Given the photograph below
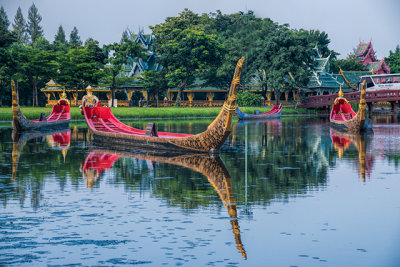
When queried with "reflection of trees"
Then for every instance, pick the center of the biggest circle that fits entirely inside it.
(31, 162)
(284, 159)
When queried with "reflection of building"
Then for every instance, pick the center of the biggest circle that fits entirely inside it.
(212, 167)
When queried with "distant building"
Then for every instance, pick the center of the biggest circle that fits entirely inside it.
(366, 55)
(322, 81)
(135, 66)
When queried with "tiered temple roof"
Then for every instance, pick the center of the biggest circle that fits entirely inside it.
(366, 55)
(321, 80)
(135, 66)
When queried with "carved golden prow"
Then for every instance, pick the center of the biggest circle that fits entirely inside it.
(363, 104)
(217, 132)
(15, 108)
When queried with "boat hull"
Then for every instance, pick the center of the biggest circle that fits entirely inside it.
(208, 141)
(354, 125)
(20, 123)
(245, 116)
(58, 118)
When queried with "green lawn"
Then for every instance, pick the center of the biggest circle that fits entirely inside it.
(136, 113)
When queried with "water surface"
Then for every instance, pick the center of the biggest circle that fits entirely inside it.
(287, 192)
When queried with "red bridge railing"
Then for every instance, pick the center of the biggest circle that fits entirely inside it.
(371, 97)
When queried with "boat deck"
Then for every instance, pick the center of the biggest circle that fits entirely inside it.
(110, 124)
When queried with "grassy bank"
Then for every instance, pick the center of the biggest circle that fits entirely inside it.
(136, 113)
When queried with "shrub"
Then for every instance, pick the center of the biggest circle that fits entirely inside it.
(248, 99)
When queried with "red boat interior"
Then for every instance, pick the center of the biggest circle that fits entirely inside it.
(101, 119)
(60, 112)
(342, 111)
(275, 109)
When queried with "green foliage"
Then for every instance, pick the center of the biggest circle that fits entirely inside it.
(247, 99)
(6, 66)
(348, 64)
(19, 27)
(155, 83)
(393, 60)
(354, 106)
(186, 49)
(4, 22)
(33, 28)
(74, 39)
(318, 39)
(60, 42)
(80, 67)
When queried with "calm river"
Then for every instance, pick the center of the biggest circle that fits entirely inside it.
(287, 192)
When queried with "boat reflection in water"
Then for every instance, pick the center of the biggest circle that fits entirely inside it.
(342, 141)
(60, 139)
(213, 168)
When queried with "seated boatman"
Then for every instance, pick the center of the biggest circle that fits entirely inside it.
(89, 100)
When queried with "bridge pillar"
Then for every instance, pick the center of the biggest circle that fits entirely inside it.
(370, 107)
(394, 107)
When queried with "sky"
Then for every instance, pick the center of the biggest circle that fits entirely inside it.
(347, 22)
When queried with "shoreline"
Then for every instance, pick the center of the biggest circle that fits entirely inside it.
(135, 113)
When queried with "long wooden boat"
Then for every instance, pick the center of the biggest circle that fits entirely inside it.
(213, 168)
(344, 118)
(275, 112)
(106, 128)
(58, 118)
(60, 138)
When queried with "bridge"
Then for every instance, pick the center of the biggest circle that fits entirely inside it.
(372, 97)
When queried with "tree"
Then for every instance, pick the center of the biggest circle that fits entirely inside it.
(118, 54)
(60, 36)
(6, 39)
(4, 22)
(186, 50)
(394, 60)
(19, 27)
(34, 29)
(74, 39)
(315, 38)
(81, 66)
(39, 67)
(348, 64)
(154, 82)
(283, 52)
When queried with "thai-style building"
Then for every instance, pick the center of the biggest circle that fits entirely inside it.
(366, 55)
(53, 91)
(322, 81)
